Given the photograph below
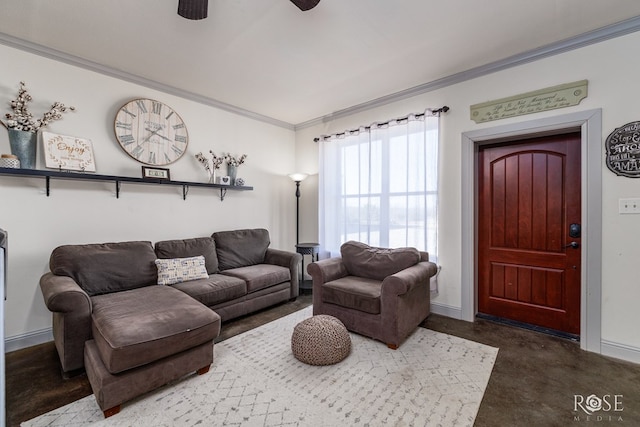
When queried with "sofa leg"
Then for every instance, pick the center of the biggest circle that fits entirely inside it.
(204, 370)
(111, 411)
(392, 346)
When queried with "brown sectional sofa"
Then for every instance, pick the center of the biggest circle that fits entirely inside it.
(243, 275)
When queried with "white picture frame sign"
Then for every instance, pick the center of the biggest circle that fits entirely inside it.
(64, 152)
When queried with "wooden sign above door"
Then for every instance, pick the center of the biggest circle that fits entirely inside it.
(560, 96)
(622, 149)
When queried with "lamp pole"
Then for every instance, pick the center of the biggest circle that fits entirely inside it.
(297, 212)
(298, 178)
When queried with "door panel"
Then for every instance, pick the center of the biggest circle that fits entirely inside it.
(529, 194)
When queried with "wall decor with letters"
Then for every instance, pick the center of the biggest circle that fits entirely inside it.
(68, 153)
(622, 150)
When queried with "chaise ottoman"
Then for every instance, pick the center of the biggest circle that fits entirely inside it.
(143, 339)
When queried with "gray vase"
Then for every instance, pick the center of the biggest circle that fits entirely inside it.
(24, 145)
(232, 171)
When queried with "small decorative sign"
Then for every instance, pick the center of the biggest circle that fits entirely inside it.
(622, 149)
(561, 96)
(223, 180)
(68, 153)
(155, 173)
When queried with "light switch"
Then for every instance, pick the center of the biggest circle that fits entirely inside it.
(629, 206)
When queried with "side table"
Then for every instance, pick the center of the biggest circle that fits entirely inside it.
(303, 249)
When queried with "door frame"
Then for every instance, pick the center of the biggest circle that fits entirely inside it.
(589, 123)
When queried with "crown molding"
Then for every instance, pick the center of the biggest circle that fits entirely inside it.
(596, 36)
(592, 37)
(66, 58)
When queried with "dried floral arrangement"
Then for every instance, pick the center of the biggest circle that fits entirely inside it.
(210, 165)
(22, 119)
(234, 161)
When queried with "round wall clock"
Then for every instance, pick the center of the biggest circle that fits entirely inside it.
(151, 132)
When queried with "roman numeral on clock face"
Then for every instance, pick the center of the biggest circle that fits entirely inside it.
(180, 138)
(157, 107)
(141, 106)
(123, 125)
(168, 115)
(152, 158)
(176, 150)
(137, 152)
(178, 126)
(127, 139)
(129, 113)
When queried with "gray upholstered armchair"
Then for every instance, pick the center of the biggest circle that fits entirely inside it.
(380, 293)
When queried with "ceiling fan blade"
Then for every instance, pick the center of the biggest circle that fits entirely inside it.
(193, 9)
(305, 4)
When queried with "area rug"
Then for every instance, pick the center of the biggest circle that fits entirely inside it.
(432, 379)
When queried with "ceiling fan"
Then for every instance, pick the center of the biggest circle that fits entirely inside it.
(197, 9)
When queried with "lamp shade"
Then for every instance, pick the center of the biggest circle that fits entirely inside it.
(297, 177)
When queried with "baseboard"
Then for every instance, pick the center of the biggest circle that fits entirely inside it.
(19, 342)
(620, 351)
(446, 310)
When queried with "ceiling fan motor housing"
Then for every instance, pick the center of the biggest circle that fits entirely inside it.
(193, 9)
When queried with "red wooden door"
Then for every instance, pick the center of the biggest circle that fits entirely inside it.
(528, 263)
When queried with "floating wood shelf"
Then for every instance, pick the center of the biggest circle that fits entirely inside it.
(118, 180)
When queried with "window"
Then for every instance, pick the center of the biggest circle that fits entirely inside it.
(379, 185)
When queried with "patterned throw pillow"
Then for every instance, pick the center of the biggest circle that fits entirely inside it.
(178, 270)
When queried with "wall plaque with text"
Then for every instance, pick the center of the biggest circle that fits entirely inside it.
(622, 149)
(561, 96)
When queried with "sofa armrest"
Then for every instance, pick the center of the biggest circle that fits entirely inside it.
(291, 260)
(71, 308)
(63, 295)
(406, 280)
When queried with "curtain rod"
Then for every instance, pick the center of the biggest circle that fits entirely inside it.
(435, 112)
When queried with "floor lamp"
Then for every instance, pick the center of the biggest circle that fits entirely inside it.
(298, 178)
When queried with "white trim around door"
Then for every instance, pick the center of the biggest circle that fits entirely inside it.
(589, 123)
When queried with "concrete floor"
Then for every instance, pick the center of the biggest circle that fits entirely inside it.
(534, 381)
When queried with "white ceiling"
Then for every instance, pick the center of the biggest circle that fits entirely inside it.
(268, 57)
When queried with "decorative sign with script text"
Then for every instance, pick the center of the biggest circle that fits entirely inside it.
(561, 96)
(68, 153)
(623, 150)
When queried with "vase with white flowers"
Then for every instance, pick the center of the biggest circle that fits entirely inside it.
(210, 165)
(23, 128)
(232, 166)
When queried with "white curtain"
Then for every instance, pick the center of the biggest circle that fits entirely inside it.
(379, 185)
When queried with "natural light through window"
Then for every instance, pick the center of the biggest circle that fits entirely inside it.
(379, 185)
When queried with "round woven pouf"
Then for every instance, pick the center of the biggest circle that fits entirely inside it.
(320, 340)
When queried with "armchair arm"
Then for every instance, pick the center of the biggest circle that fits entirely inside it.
(406, 280)
(291, 260)
(63, 295)
(327, 270)
(321, 272)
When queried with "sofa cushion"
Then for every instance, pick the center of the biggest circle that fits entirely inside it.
(260, 276)
(353, 292)
(215, 289)
(143, 325)
(240, 248)
(184, 248)
(178, 270)
(102, 268)
(376, 263)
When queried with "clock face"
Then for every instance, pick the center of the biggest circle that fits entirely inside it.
(151, 132)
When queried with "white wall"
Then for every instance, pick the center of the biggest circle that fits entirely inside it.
(88, 212)
(611, 69)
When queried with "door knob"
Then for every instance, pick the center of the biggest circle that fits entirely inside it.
(574, 245)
